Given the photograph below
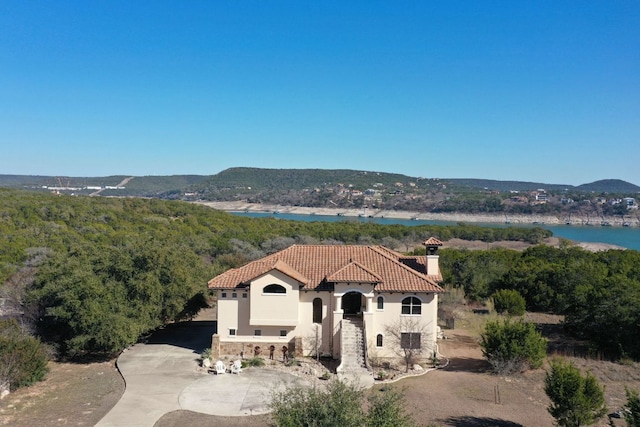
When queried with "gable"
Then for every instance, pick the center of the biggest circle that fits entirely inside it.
(354, 273)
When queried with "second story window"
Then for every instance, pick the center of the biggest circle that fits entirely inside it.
(411, 305)
(274, 289)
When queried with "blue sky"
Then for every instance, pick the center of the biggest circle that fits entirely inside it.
(545, 91)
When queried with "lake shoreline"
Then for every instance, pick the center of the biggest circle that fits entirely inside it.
(521, 219)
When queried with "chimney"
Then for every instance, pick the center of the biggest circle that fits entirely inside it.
(432, 244)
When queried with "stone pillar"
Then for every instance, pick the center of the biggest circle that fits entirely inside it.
(215, 346)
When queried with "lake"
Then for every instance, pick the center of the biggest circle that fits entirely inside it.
(627, 237)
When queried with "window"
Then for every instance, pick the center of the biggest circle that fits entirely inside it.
(274, 289)
(234, 295)
(257, 332)
(317, 310)
(283, 332)
(410, 340)
(224, 295)
(244, 295)
(379, 340)
(380, 302)
(411, 305)
(232, 332)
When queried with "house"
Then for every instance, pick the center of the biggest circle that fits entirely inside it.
(306, 296)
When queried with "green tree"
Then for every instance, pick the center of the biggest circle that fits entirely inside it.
(23, 358)
(388, 410)
(632, 408)
(512, 346)
(576, 400)
(509, 301)
(339, 404)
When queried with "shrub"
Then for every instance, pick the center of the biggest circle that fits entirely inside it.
(206, 354)
(339, 404)
(632, 408)
(23, 358)
(575, 400)
(388, 410)
(254, 361)
(512, 346)
(509, 301)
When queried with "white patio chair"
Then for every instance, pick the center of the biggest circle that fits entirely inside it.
(236, 368)
(220, 368)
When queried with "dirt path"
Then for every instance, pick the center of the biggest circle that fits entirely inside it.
(120, 184)
(465, 393)
(71, 395)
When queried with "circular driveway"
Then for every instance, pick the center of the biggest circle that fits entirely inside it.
(163, 375)
(247, 393)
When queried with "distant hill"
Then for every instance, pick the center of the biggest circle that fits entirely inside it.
(609, 186)
(298, 179)
(602, 186)
(244, 181)
(143, 186)
(490, 184)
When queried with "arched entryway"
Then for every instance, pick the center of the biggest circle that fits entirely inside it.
(352, 303)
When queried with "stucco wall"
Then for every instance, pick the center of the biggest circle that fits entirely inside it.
(391, 314)
(274, 309)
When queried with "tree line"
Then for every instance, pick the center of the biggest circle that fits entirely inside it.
(597, 292)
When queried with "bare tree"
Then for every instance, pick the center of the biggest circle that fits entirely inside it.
(410, 339)
(314, 341)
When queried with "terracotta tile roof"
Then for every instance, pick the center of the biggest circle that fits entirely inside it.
(432, 241)
(315, 266)
(354, 272)
(285, 268)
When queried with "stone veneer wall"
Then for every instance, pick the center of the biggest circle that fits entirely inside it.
(235, 348)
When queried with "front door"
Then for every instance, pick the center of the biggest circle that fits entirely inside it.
(351, 303)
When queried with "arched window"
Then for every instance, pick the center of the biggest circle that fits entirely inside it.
(274, 289)
(380, 302)
(411, 305)
(379, 340)
(317, 310)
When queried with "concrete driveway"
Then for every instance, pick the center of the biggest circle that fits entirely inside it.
(163, 375)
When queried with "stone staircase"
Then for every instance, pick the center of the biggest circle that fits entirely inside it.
(353, 367)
